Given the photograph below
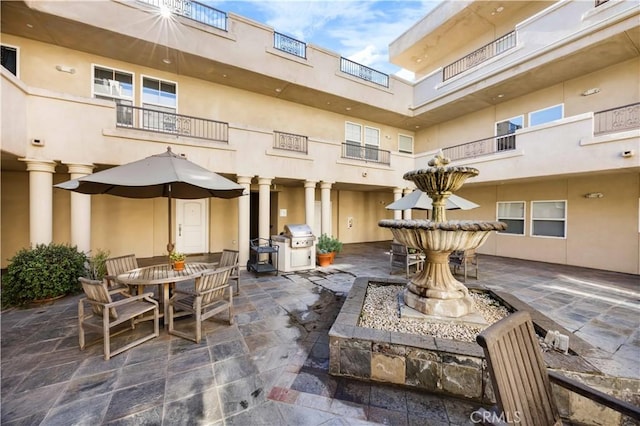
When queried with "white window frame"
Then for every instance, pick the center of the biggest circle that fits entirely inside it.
(347, 133)
(110, 95)
(563, 219)
(545, 109)
(124, 115)
(523, 218)
(158, 121)
(17, 49)
(410, 140)
(371, 150)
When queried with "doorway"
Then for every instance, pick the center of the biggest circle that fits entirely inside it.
(192, 226)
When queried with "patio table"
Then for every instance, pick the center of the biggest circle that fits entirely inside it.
(163, 276)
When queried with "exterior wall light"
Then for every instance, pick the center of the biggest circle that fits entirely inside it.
(594, 195)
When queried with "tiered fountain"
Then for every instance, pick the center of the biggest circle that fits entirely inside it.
(434, 291)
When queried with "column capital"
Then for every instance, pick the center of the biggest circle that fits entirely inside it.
(265, 180)
(245, 180)
(83, 169)
(310, 183)
(34, 165)
(325, 185)
(397, 191)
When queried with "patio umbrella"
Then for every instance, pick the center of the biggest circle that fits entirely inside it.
(421, 201)
(162, 175)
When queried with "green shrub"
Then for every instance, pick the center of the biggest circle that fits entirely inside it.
(327, 244)
(42, 272)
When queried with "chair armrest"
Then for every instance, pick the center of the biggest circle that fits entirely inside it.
(595, 395)
(146, 296)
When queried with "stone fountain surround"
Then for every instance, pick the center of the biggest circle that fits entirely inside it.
(457, 368)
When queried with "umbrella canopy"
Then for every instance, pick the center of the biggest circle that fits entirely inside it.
(161, 175)
(421, 201)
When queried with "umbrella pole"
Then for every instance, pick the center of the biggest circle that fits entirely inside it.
(170, 244)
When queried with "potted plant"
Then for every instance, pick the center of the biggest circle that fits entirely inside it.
(336, 247)
(178, 260)
(323, 250)
(96, 267)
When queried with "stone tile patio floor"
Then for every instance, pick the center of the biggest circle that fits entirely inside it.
(271, 366)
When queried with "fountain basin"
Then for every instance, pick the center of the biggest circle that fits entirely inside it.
(434, 290)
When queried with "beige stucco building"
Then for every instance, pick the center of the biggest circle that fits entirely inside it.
(543, 97)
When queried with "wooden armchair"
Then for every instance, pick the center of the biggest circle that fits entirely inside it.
(107, 314)
(118, 265)
(400, 257)
(521, 382)
(209, 297)
(464, 259)
(230, 258)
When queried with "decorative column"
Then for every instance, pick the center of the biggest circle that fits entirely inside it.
(244, 220)
(80, 210)
(40, 200)
(407, 213)
(310, 203)
(325, 204)
(397, 194)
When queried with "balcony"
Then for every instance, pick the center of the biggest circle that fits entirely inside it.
(193, 10)
(617, 119)
(478, 56)
(361, 71)
(487, 146)
(290, 142)
(367, 153)
(289, 45)
(169, 123)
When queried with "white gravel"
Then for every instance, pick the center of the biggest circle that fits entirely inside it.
(381, 311)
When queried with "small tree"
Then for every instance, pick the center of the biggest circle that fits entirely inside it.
(46, 271)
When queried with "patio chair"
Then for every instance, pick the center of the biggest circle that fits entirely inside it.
(521, 382)
(400, 257)
(230, 258)
(107, 314)
(212, 294)
(464, 259)
(118, 265)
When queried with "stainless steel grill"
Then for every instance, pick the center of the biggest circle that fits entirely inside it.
(299, 235)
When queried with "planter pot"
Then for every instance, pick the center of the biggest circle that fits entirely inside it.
(323, 259)
(178, 265)
(333, 256)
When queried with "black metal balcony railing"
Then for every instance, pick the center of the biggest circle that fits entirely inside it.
(599, 2)
(367, 153)
(361, 71)
(290, 142)
(193, 10)
(290, 45)
(481, 147)
(478, 56)
(175, 124)
(617, 119)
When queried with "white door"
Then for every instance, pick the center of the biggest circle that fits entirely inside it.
(192, 226)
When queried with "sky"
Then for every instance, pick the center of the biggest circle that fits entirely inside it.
(357, 30)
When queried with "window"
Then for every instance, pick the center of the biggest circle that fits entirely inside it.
(405, 144)
(549, 219)
(371, 142)
(546, 115)
(505, 132)
(353, 139)
(117, 86)
(159, 98)
(512, 213)
(10, 59)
